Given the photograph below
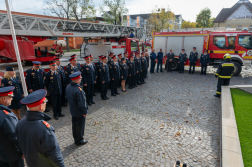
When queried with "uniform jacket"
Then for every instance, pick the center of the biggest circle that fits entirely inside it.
(97, 67)
(77, 100)
(143, 64)
(78, 65)
(148, 60)
(225, 69)
(35, 79)
(9, 150)
(153, 56)
(124, 70)
(137, 65)
(170, 56)
(131, 68)
(53, 83)
(95, 71)
(18, 91)
(182, 57)
(69, 70)
(63, 77)
(104, 73)
(204, 59)
(160, 56)
(38, 141)
(88, 74)
(114, 71)
(193, 57)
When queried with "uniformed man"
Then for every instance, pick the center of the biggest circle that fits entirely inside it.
(36, 137)
(124, 73)
(143, 68)
(204, 62)
(153, 58)
(78, 108)
(126, 56)
(77, 63)
(138, 69)
(54, 88)
(10, 154)
(73, 67)
(114, 76)
(170, 57)
(160, 56)
(97, 69)
(61, 70)
(110, 58)
(35, 77)
(131, 72)
(182, 61)
(95, 72)
(148, 61)
(88, 78)
(224, 73)
(104, 78)
(119, 59)
(193, 60)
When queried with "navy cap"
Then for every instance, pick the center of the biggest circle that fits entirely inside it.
(35, 98)
(9, 69)
(75, 75)
(122, 59)
(52, 63)
(87, 57)
(74, 55)
(36, 62)
(7, 91)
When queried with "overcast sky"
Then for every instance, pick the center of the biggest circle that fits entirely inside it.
(188, 8)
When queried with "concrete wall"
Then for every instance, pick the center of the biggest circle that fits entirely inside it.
(234, 23)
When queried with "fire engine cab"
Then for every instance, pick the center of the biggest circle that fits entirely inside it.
(237, 43)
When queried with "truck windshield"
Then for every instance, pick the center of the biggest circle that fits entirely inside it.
(245, 41)
(134, 46)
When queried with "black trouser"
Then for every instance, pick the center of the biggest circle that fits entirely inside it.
(135, 80)
(131, 81)
(153, 63)
(56, 104)
(181, 67)
(169, 66)
(17, 163)
(203, 69)
(192, 64)
(89, 92)
(104, 90)
(78, 127)
(142, 76)
(222, 82)
(63, 99)
(114, 85)
(93, 89)
(138, 77)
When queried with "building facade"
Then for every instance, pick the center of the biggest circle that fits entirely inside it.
(238, 16)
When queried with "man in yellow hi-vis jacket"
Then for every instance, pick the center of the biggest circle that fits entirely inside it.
(224, 73)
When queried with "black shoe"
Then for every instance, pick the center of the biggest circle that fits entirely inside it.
(184, 165)
(117, 93)
(130, 88)
(113, 94)
(89, 103)
(83, 142)
(178, 164)
(56, 117)
(61, 115)
(139, 84)
(106, 97)
(136, 86)
(64, 105)
(133, 86)
(125, 90)
(94, 94)
(92, 102)
(179, 72)
(46, 110)
(217, 95)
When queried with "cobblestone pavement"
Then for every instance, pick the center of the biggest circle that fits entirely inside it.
(171, 117)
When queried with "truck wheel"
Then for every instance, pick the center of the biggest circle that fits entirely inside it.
(175, 66)
(237, 68)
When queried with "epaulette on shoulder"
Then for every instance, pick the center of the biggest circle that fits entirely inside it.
(6, 112)
(80, 88)
(46, 124)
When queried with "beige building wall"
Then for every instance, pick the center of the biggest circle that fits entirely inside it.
(246, 22)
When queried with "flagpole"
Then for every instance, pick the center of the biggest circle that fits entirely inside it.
(20, 68)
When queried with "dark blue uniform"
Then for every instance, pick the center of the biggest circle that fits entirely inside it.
(69, 70)
(132, 72)
(153, 58)
(78, 108)
(35, 79)
(124, 71)
(182, 60)
(143, 68)
(78, 65)
(170, 57)
(38, 141)
(114, 77)
(54, 88)
(95, 77)
(204, 60)
(138, 71)
(61, 70)
(104, 77)
(10, 155)
(18, 91)
(193, 60)
(97, 66)
(160, 56)
(88, 77)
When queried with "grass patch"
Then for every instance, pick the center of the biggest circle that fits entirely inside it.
(242, 102)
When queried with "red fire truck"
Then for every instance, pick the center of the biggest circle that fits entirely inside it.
(238, 44)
